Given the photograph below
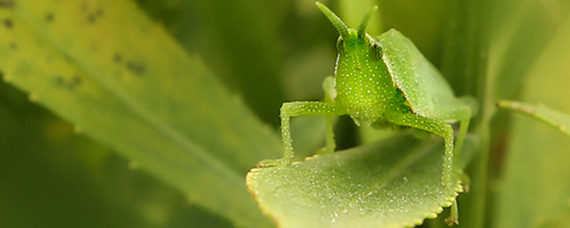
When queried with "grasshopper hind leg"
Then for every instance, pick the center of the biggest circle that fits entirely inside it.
(440, 128)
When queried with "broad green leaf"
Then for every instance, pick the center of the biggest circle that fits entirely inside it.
(52, 177)
(541, 112)
(535, 190)
(121, 79)
(392, 183)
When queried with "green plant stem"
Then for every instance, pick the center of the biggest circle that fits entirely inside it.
(465, 63)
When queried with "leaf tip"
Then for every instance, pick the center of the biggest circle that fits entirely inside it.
(7, 4)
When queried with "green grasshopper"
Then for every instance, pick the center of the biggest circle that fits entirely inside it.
(382, 80)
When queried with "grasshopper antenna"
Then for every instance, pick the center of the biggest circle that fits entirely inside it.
(362, 27)
(335, 20)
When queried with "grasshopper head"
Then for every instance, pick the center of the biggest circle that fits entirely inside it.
(363, 83)
(351, 40)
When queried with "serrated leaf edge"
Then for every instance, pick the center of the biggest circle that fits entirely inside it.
(266, 211)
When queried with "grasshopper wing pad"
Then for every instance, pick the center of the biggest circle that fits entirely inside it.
(420, 82)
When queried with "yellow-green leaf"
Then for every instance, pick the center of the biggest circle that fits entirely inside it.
(121, 79)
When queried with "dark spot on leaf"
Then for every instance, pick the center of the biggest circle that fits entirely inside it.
(13, 46)
(6, 4)
(59, 79)
(67, 57)
(136, 68)
(92, 17)
(358, 68)
(49, 17)
(8, 23)
(117, 58)
(99, 12)
(77, 80)
(70, 84)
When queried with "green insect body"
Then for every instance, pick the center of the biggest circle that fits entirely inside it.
(382, 80)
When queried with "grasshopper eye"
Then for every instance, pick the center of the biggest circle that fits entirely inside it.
(376, 51)
(340, 45)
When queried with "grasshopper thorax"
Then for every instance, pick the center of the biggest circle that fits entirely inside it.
(363, 83)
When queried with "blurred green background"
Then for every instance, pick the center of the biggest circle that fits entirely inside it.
(268, 52)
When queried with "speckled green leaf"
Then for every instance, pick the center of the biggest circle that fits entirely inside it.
(392, 183)
(121, 79)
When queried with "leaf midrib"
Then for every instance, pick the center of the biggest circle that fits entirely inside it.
(138, 110)
(397, 170)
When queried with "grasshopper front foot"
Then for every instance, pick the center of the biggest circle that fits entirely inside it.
(274, 162)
